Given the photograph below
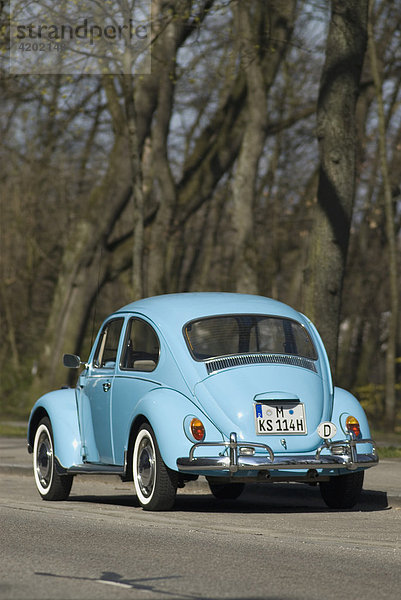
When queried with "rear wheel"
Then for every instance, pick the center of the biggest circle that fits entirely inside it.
(342, 491)
(226, 491)
(50, 485)
(155, 484)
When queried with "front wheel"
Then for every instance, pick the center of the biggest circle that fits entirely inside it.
(155, 484)
(342, 491)
(50, 485)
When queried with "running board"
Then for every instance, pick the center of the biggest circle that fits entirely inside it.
(91, 469)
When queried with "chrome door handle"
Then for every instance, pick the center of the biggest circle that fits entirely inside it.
(106, 386)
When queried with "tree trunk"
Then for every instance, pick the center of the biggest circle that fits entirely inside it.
(137, 212)
(264, 30)
(390, 395)
(75, 273)
(336, 133)
(158, 255)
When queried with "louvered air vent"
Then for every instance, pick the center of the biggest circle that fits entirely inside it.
(216, 364)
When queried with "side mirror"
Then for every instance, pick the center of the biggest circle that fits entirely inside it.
(72, 361)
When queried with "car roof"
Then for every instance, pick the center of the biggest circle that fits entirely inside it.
(180, 308)
(170, 312)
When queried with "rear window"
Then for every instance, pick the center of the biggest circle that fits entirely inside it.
(247, 334)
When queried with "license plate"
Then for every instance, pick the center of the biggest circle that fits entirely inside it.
(278, 418)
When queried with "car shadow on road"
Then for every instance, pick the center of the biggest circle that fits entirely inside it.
(280, 498)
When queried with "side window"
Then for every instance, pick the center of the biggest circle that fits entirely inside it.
(106, 351)
(141, 347)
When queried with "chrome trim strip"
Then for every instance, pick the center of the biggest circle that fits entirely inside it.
(90, 469)
(350, 460)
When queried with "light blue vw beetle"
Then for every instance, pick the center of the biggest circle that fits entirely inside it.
(233, 387)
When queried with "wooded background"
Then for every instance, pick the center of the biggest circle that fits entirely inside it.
(261, 155)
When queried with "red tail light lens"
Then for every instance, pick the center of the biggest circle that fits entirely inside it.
(353, 427)
(197, 429)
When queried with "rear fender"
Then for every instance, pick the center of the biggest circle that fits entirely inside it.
(166, 411)
(345, 405)
(61, 408)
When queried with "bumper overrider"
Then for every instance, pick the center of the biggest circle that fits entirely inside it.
(240, 456)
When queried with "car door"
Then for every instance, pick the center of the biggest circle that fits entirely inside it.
(96, 395)
(136, 375)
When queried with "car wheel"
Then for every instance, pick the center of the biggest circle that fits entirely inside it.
(226, 491)
(50, 485)
(342, 491)
(155, 484)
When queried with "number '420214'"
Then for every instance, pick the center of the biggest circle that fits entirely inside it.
(40, 47)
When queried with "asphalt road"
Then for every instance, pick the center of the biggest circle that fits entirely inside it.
(275, 542)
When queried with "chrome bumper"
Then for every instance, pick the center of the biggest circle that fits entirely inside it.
(343, 455)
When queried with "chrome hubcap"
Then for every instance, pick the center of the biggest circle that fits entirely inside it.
(44, 461)
(146, 468)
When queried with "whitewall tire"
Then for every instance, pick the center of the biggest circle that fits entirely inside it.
(50, 485)
(155, 484)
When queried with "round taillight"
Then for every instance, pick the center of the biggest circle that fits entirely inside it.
(353, 427)
(197, 429)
